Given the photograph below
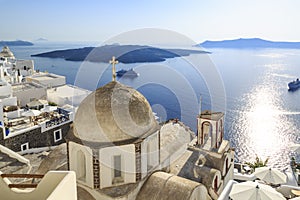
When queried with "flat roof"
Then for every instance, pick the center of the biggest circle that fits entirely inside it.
(24, 86)
(68, 91)
(45, 76)
(211, 115)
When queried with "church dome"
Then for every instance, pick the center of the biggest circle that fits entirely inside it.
(6, 53)
(114, 113)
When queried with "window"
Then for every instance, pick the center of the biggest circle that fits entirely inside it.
(25, 146)
(57, 135)
(117, 170)
(117, 166)
(81, 166)
(227, 165)
(206, 132)
(216, 184)
(149, 156)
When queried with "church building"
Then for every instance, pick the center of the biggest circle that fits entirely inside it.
(119, 151)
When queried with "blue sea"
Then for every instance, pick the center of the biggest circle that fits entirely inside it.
(249, 85)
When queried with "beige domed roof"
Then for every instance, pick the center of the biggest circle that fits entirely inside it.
(114, 113)
(6, 53)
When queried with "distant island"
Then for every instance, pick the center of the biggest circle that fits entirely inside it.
(41, 40)
(249, 43)
(124, 53)
(15, 43)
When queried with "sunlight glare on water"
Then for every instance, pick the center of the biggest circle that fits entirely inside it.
(263, 127)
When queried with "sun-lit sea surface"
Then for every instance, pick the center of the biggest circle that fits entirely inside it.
(262, 117)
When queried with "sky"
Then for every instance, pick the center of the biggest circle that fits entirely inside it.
(199, 20)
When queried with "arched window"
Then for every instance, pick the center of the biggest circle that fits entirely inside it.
(206, 131)
(81, 166)
(216, 184)
(227, 165)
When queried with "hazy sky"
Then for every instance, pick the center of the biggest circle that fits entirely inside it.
(99, 20)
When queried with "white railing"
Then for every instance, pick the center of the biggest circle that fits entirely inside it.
(56, 122)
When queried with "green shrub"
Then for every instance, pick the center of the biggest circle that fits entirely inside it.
(52, 103)
(257, 163)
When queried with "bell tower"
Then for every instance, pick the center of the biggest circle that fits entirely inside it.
(210, 129)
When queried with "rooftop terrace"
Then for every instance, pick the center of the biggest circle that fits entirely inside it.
(25, 86)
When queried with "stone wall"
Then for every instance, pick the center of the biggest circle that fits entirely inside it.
(35, 138)
(1, 134)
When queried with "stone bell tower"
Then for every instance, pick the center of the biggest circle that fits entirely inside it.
(210, 127)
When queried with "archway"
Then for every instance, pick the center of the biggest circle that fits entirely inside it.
(216, 184)
(206, 130)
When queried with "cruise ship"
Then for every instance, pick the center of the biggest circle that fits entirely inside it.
(294, 85)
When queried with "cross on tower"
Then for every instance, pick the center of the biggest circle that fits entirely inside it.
(113, 61)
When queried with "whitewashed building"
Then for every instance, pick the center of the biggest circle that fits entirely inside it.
(26, 92)
(106, 141)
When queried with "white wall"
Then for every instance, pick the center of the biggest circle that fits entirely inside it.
(74, 148)
(10, 101)
(25, 96)
(5, 90)
(15, 114)
(144, 158)
(128, 166)
(150, 153)
(67, 94)
(61, 101)
(152, 150)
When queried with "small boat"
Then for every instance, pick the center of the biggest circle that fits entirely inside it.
(129, 73)
(294, 84)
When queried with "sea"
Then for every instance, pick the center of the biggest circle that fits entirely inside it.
(262, 118)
